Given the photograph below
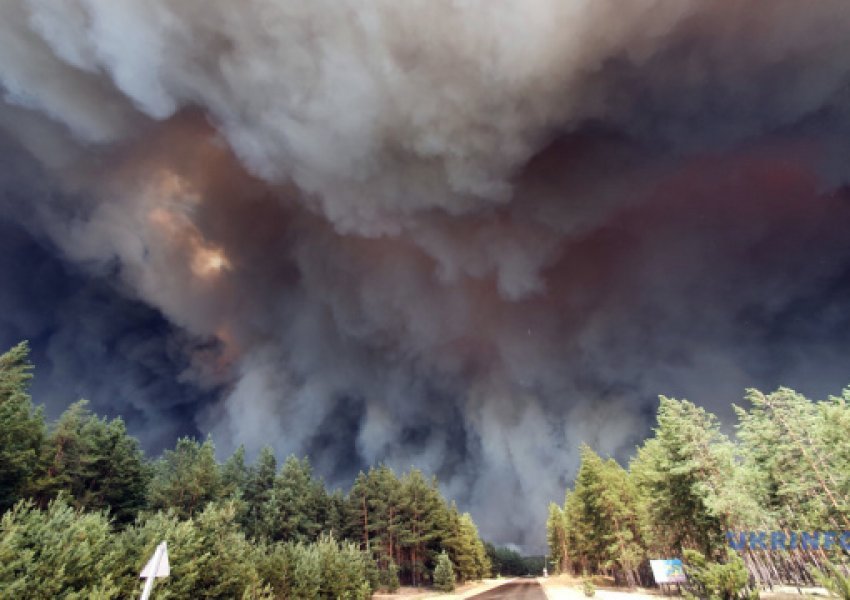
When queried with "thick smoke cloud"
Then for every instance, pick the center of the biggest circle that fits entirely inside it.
(456, 235)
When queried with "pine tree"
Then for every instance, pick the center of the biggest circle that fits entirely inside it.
(834, 580)
(373, 514)
(209, 555)
(333, 514)
(22, 428)
(682, 471)
(464, 547)
(556, 537)
(384, 508)
(796, 453)
(576, 531)
(423, 522)
(296, 503)
(257, 494)
(96, 461)
(505, 561)
(122, 475)
(235, 475)
(618, 500)
(389, 577)
(217, 519)
(834, 451)
(459, 545)
(58, 553)
(444, 575)
(325, 570)
(590, 525)
(481, 560)
(186, 478)
(600, 520)
(358, 519)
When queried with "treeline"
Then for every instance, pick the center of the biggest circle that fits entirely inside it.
(84, 509)
(506, 562)
(787, 468)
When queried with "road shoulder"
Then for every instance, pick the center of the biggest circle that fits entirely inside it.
(558, 588)
(465, 591)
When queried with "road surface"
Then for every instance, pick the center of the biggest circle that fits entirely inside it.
(515, 590)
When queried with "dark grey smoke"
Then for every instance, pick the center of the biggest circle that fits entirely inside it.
(455, 235)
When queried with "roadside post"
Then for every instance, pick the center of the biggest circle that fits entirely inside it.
(157, 567)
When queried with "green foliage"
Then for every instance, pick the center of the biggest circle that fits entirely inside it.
(834, 580)
(372, 515)
(96, 462)
(465, 547)
(296, 503)
(797, 453)
(233, 530)
(681, 473)
(788, 468)
(389, 577)
(507, 562)
(444, 574)
(604, 513)
(423, 522)
(713, 580)
(556, 537)
(588, 588)
(209, 555)
(66, 553)
(186, 478)
(235, 475)
(257, 493)
(405, 521)
(326, 569)
(57, 553)
(256, 532)
(22, 428)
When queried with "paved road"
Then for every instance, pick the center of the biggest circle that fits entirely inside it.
(515, 590)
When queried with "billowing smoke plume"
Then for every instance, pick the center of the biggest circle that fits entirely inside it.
(461, 235)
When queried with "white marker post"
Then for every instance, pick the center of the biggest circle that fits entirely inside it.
(157, 567)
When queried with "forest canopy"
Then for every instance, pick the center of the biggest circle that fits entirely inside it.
(84, 509)
(785, 469)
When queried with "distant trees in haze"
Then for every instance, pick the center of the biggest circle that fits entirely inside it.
(507, 562)
(84, 509)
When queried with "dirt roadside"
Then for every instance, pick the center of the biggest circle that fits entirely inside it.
(464, 591)
(570, 588)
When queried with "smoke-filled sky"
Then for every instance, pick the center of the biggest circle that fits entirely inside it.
(455, 234)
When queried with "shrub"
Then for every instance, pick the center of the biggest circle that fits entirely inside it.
(208, 553)
(389, 577)
(834, 580)
(706, 579)
(57, 553)
(444, 573)
(588, 588)
(323, 570)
